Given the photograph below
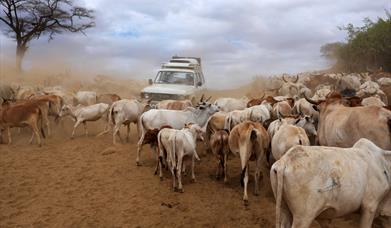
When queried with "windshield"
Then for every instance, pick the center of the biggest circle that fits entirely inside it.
(175, 77)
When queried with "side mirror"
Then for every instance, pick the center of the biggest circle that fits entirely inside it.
(199, 84)
(150, 81)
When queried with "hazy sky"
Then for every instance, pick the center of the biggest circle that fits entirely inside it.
(235, 39)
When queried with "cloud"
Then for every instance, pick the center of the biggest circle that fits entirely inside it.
(235, 39)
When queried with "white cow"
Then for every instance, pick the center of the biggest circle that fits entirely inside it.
(227, 104)
(157, 118)
(179, 145)
(85, 98)
(328, 182)
(303, 107)
(82, 114)
(258, 113)
(124, 112)
(287, 136)
(373, 101)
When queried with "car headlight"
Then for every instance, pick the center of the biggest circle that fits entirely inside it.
(146, 95)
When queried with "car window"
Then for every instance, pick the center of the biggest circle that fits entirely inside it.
(175, 77)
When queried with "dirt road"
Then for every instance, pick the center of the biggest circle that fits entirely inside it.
(88, 182)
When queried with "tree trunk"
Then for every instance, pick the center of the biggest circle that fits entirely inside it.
(20, 52)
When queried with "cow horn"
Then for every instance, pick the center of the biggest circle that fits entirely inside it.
(208, 99)
(202, 98)
(311, 101)
(263, 95)
(297, 78)
(284, 79)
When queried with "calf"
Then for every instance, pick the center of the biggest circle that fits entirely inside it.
(22, 115)
(328, 182)
(251, 141)
(219, 146)
(179, 144)
(82, 114)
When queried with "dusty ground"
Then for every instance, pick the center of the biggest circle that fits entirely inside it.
(87, 182)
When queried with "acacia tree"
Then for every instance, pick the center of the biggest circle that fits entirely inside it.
(25, 20)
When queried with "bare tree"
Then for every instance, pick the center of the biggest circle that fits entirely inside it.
(29, 19)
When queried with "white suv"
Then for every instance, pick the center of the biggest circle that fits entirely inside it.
(179, 79)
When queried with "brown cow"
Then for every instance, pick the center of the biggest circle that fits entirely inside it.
(22, 115)
(151, 139)
(174, 104)
(342, 126)
(259, 101)
(219, 145)
(251, 141)
(55, 104)
(43, 104)
(215, 123)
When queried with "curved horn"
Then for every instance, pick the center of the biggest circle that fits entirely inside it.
(208, 99)
(311, 101)
(283, 78)
(297, 78)
(202, 98)
(263, 95)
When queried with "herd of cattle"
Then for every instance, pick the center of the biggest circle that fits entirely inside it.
(327, 150)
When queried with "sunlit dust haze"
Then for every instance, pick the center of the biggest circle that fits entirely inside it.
(236, 40)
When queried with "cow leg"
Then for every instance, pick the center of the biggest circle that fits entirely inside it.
(9, 135)
(157, 159)
(225, 168)
(85, 128)
(78, 122)
(245, 181)
(218, 169)
(367, 215)
(47, 121)
(302, 222)
(34, 127)
(127, 132)
(193, 178)
(179, 174)
(139, 147)
(115, 132)
(257, 175)
(32, 138)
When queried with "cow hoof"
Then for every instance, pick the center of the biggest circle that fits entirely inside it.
(256, 193)
(138, 163)
(175, 189)
(155, 173)
(161, 178)
(245, 202)
(181, 190)
(225, 181)
(193, 180)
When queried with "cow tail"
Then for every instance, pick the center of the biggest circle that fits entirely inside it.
(160, 149)
(173, 156)
(280, 178)
(41, 118)
(111, 115)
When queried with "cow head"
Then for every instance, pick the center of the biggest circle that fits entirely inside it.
(196, 129)
(65, 110)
